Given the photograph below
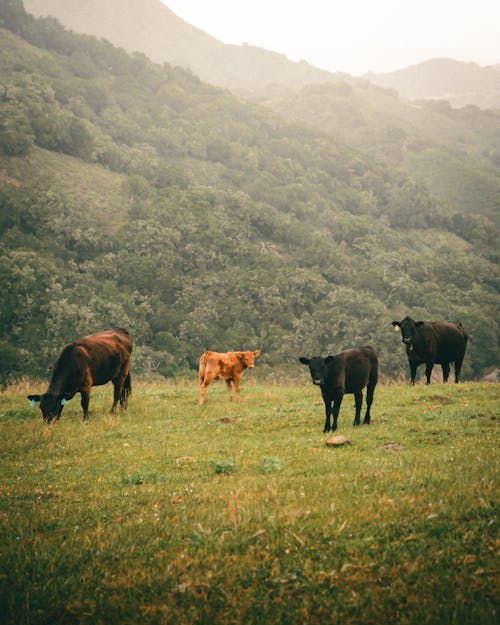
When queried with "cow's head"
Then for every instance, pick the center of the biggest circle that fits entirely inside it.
(317, 367)
(51, 405)
(247, 358)
(408, 329)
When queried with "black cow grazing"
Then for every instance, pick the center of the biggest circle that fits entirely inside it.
(91, 361)
(348, 371)
(433, 342)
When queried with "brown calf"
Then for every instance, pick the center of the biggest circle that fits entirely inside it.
(228, 366)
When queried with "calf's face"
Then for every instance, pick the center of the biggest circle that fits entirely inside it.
(317, 368)
(247, 359)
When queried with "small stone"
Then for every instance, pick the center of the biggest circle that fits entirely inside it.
(337, 441)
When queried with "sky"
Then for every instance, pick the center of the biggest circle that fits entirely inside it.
(354, 36)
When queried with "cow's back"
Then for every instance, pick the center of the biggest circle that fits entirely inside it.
(355, 368)
(219, 365)
(210, 362)
(450, 341)
(103, 354)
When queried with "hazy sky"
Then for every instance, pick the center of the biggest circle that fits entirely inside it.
(354, 36)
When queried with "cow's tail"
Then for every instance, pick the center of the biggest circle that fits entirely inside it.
(201, 368)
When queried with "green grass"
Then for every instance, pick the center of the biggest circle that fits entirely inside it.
(239, 513)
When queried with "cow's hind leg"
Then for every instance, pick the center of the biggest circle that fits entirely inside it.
(117, 391)
(358, 400)
(230, 390)
(236, 383)
(458, 368)
(428, 370)
(370, 390)
(85, 393)
(126, 391)
(121, 390)
(204, 384)
(446, 371)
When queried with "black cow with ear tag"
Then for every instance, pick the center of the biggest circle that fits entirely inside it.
(433, 342)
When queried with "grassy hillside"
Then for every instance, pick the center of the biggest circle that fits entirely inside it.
(100, 192)
(136, 195)
(239, 513)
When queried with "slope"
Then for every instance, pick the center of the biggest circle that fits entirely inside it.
(134, 194)
(455, 153)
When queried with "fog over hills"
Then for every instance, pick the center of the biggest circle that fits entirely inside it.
(446, 79)
(150, 27)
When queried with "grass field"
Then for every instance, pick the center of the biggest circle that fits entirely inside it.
(239, 513)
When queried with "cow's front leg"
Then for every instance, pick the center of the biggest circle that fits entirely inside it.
(413, 372)
(328, 412)
(336, 409)
(358, 400)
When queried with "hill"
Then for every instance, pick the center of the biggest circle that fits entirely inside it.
(150, 27)
(445, 79)
(454, 153)
(134, 194)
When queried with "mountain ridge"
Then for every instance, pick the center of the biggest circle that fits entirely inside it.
(458, 82)
(152, 28)
(158, 32)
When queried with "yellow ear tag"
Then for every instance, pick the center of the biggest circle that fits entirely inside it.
(396, 328)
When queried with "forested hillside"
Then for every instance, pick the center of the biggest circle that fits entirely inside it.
(133, 194)
(455, 153)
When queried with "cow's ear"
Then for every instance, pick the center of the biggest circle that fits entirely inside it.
(329, 359)
(304, 361)
(256, 353)
(396, 325)
(34, 399)
(419, 324)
